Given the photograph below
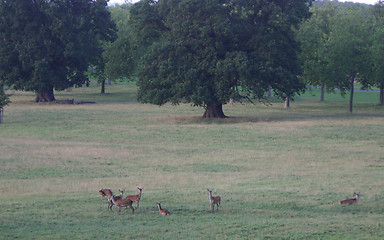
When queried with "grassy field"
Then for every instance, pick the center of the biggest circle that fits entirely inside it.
(280, 172)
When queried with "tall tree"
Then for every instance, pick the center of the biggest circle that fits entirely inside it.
(49, 44)
(313, 36)
(377, 50)
(202, 51)
(349, 50)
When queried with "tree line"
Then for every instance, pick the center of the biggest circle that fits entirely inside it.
(201, 52)
(342, 45)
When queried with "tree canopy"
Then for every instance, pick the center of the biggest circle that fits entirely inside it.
(377, 50)
(207, 52)
(118, 55)
(49, 44)
(341, 45)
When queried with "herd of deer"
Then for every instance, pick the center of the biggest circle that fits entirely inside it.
(119, 201)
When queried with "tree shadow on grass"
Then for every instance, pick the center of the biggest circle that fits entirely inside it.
(291, 117)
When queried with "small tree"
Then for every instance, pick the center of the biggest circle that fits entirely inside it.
(349, 50)
(314, 36)
(376, 79)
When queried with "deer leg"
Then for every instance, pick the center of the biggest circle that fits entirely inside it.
(133, 210)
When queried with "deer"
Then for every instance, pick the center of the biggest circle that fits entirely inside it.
(105, 192)
(350, 201)
(122, 203)
(136, 198)
(110, 203)
(163, 212)
(214, 200)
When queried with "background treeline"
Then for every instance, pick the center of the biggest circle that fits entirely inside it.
(342, 45)
(206, 53)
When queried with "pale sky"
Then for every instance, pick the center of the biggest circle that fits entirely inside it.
(112, 2)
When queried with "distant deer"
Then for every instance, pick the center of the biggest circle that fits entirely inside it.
(350, 201)
(122, 203)
(214, 200)
(163, 212)
(105, 192)
(110, 203)
(136, 198)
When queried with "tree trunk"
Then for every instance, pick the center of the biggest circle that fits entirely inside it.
(322, 93)
(286, 104)
(45, 95)
(351, 95)
(382, 94)
(214, 110)
(1, 115)
(103, 86)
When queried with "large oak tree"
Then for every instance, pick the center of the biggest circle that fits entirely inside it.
(207, 52)
(49, 44)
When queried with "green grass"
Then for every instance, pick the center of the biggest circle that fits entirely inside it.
(280, 172)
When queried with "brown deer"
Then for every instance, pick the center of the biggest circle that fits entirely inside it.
(163, 212)
(110, 203)
(105, 192)
(214, 200)
(136, 198)
(122, 203)
(350, 201)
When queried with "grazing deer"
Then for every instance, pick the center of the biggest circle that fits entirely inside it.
(214, 200)
(122, 203)
(350, 201)
(105, 192)
(110, 203)
(136, 198)
(163, 212)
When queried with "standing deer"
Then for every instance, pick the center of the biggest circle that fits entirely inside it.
(110, 203)
(136, 198)
(163, 212)
(214, 200)
(105, 192)
(350, 201)
(122, 203)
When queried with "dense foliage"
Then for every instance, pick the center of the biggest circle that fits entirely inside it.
(377, 50)
(47, 45)
(205, 52)
(118, 54)
(342, 45)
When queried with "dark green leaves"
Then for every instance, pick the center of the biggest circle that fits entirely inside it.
(203, 51)
(50, 44)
